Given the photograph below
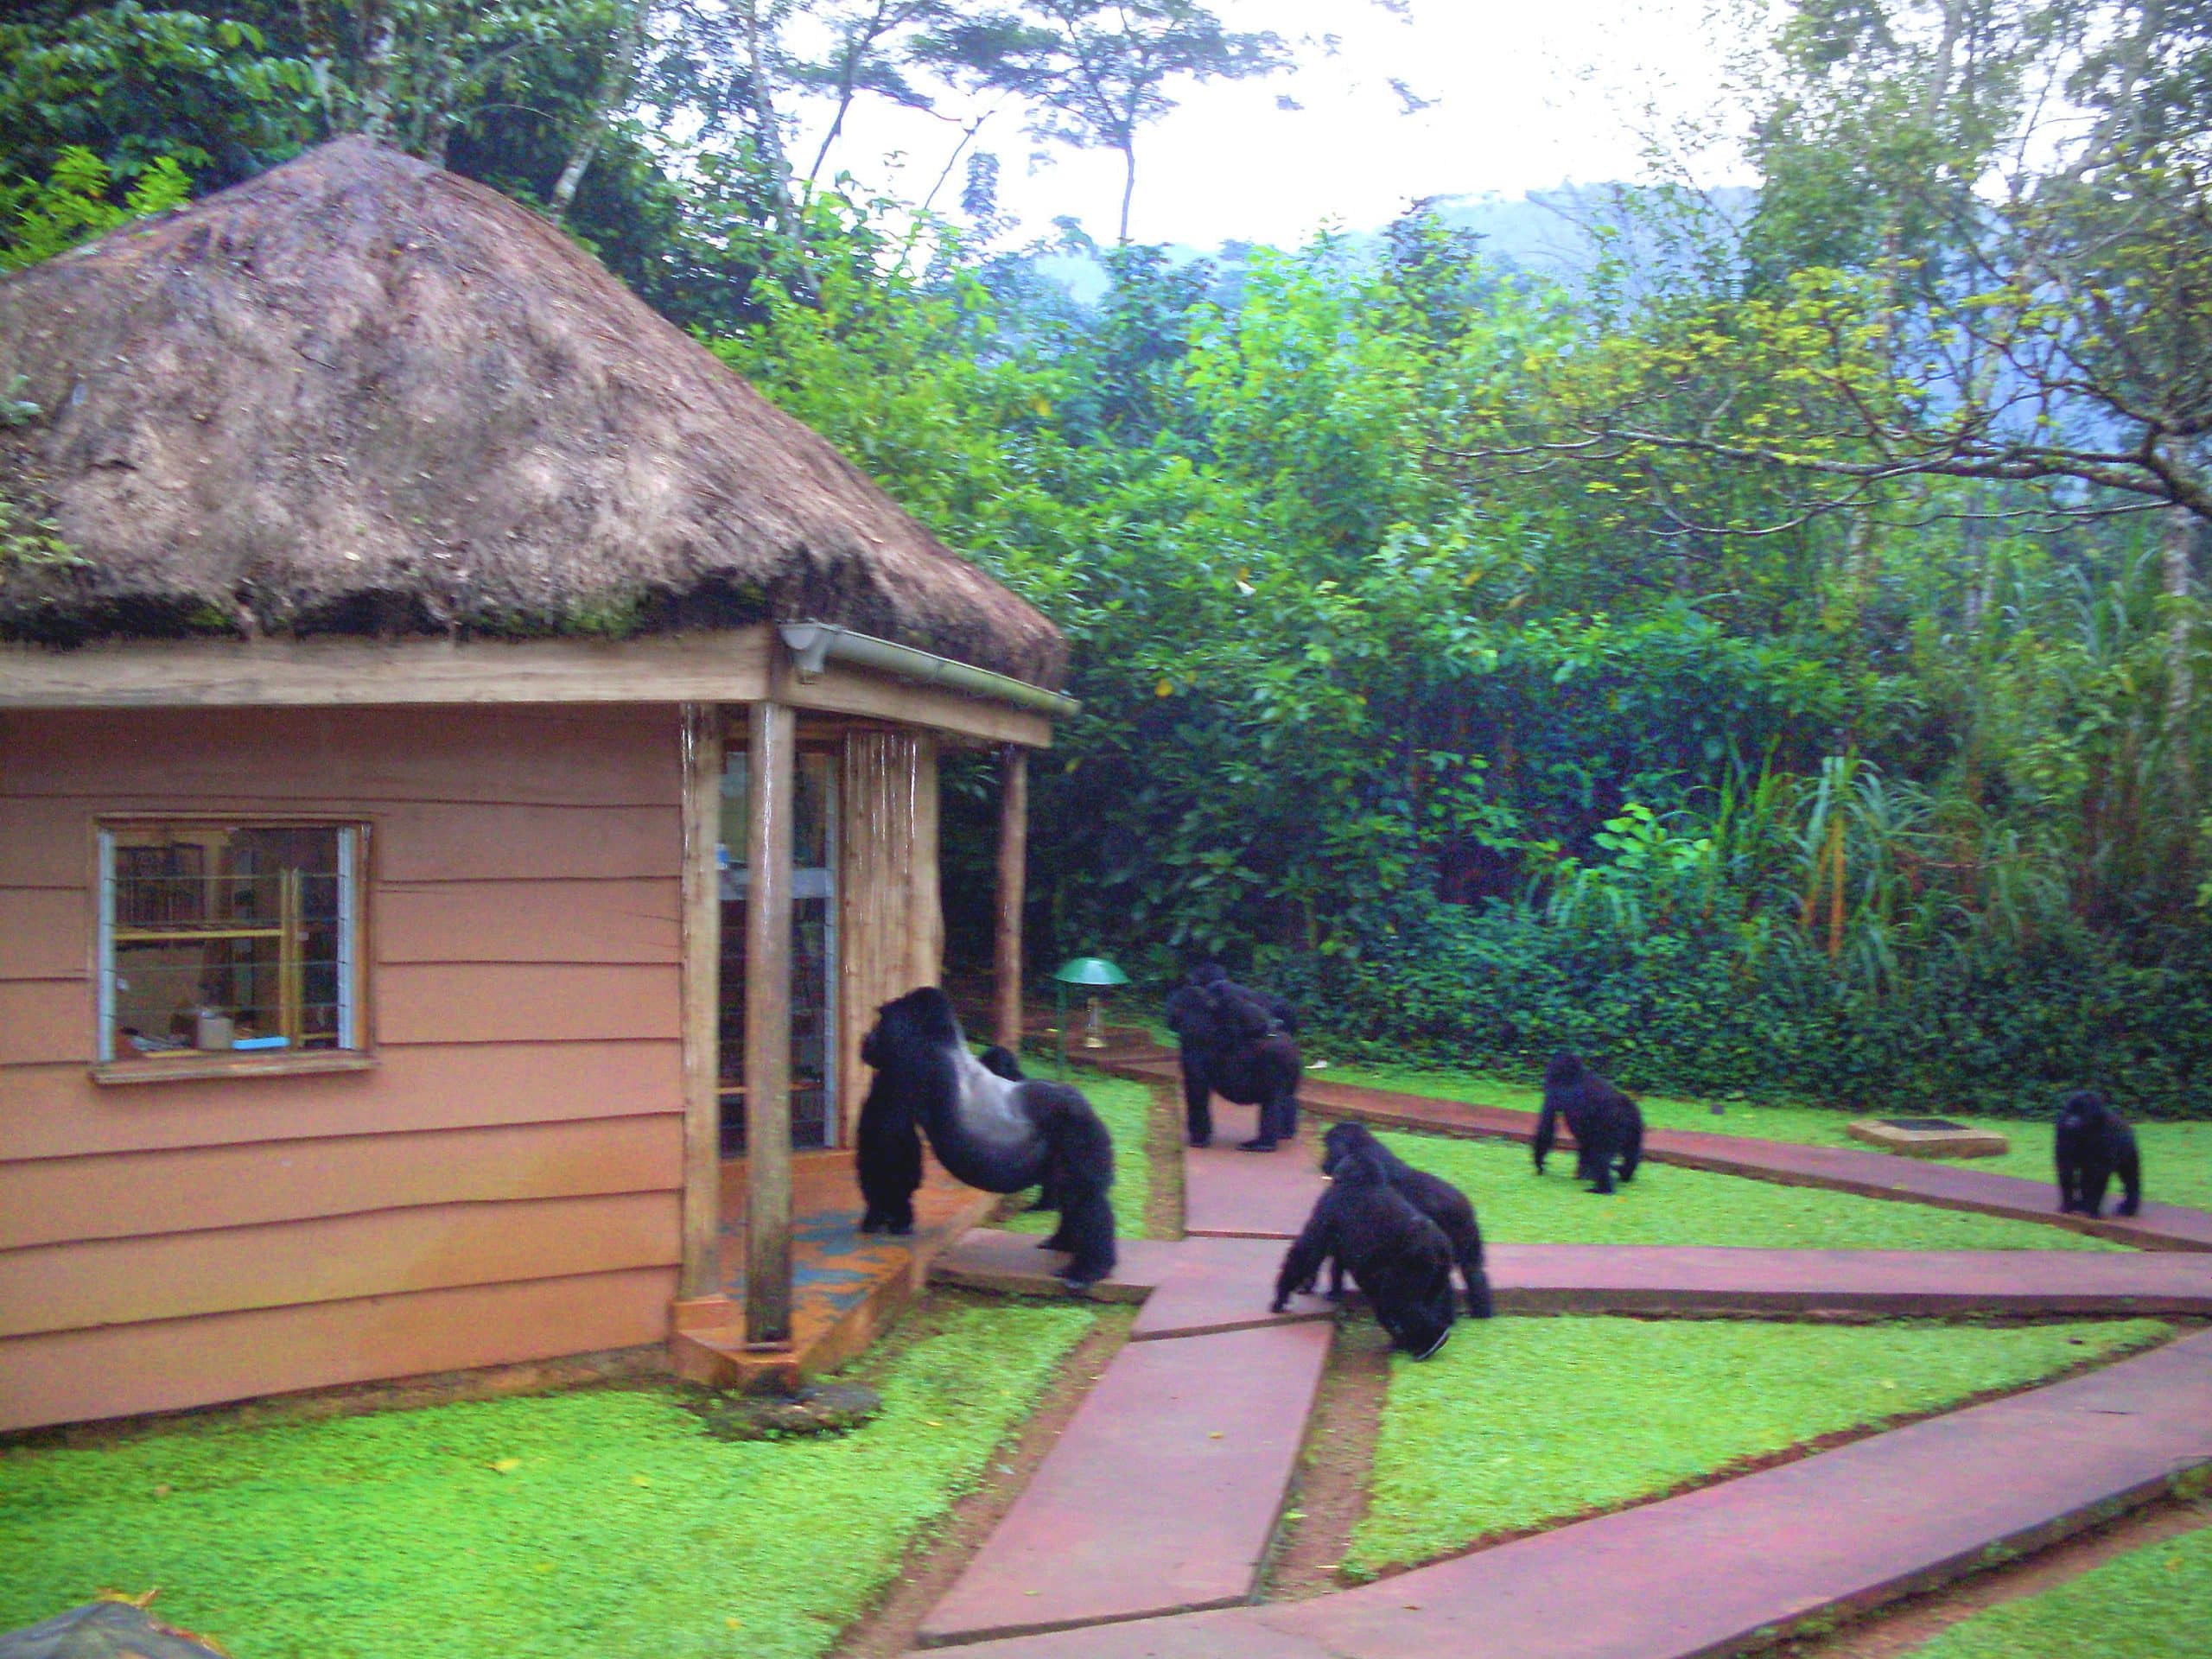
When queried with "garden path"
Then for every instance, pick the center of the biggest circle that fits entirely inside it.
(1161, 1497)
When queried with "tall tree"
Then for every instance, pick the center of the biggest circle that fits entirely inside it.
(1095, 72)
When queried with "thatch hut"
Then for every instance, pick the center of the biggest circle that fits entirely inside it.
(479, 765)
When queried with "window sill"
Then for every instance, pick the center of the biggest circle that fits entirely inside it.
(183, 1068)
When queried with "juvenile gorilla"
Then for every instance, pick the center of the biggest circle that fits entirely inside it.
(1434, 1196)
(1398, 1258)
(1236, 1044)
(2093, 1144)
(888, 1160)
(997, 1134)
(1605, 1123)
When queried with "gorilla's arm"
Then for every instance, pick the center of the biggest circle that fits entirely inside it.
(1547, 1129)
(1315, 1243)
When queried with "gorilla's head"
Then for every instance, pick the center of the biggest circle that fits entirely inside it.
(1564, 1071)
(1343, 1142)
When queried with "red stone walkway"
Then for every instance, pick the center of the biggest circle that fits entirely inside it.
(1730, 1566)
(1872, 1174)
(1225, 1284)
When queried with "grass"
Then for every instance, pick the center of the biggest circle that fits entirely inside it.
(1667, 1205)
(1126, 1108)
(2153, 1603)
(2177, 1157)
(1582, 1415)
(604, 1522)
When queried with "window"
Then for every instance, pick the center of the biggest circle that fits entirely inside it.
(227, 941)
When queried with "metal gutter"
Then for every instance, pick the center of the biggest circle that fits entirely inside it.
(815, 644)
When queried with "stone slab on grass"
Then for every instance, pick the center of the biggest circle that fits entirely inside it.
(989, 1258)
(1221, 1284)
(1713, 1279)
(1715, 1570)
(1161, 1495)
(1927, 1137)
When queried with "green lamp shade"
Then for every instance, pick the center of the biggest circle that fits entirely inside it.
(1089, 970)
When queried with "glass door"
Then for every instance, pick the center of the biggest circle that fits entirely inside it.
(814, 952)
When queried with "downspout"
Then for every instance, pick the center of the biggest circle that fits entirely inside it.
(813, 644)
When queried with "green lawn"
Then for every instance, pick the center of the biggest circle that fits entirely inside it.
(2177, 1157)
(1526, 1422)
(2153, 1603)
(1126, 1108)
(1667, 1205)
(603, 1522)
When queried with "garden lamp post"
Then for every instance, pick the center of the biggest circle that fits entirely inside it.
(1096, 974)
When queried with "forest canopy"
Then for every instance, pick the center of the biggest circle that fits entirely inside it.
(1767, 653)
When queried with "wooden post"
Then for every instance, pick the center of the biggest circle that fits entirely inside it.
(768, 1027)
(701, 738)
(1014, 867)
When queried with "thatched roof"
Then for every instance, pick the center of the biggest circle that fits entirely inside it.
(357, 394)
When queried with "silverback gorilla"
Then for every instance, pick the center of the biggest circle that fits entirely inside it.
(1398, 1258)
(1605, 1123)
(1434, 1196)
(1238, 1044)
(2093, 1144)
(993, 1132)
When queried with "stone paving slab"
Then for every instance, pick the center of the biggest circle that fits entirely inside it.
(1232, 1194)
(1719, 1569)
(1711, 1279)
(1224, 1284)
(1161, 1495)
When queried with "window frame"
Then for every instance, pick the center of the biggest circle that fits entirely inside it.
(354, 995)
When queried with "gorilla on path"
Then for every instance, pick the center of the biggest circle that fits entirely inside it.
(1398, 1258)
(1238, 1043)
(1434, 1196)
(2093, 1144)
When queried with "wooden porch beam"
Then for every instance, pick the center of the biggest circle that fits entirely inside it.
(701, 1272)
(1014, 865)
(773, 732)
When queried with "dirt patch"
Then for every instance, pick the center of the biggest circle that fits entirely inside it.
(936, 1559)
(1163, 1210)
(1329, 1495)
(1919, 1620)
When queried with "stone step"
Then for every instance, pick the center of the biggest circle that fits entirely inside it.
(1161, 1495)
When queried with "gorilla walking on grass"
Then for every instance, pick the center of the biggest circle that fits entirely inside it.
(1398, 1258)
(1606, 1125)
(1434, 1196)
(994, 1133)
(2093, 1144)
(1238, 1044)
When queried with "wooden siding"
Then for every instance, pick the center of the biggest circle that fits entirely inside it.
(104, 1372)
(520, 1132)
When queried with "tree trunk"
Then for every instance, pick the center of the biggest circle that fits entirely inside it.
(2178, 537)
(1128, 189)
(379, 42)
(616, 78)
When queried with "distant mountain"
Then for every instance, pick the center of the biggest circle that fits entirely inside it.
(1550, 232)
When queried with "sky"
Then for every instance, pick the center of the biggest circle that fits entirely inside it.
(1524, 95)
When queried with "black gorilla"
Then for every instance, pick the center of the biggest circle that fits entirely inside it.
(888, 1159)
(1399, 1257)
(2093, 1144)
(1434, 1196)
(995, 1134)
(1605, 1123)
(1238, 1044)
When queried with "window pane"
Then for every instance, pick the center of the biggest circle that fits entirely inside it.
(223, 939)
